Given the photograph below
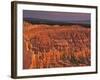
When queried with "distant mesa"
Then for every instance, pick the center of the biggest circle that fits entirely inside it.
(84, 23)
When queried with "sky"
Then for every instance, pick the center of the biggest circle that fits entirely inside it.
(60, 16)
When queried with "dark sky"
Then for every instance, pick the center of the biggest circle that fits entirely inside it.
(68, 16)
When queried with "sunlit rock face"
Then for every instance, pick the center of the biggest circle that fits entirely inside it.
(53, 46)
